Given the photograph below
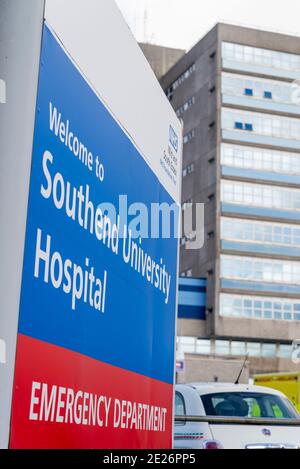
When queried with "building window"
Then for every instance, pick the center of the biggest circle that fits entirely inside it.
(268, 95)
(203, 347)
(188, 170)
(248, 92)
(258, 195)
(242, 126)
(222, 347)
(239, 125)
(187, 273)
(258, 232)
(187, 344)
(182, 109)
(192, 345)
(254, 349)
(268, 125)
(285, 351)
(262, 57)
(260, 270)
(238, 348)
(269, 350)
(252, 307)
(260, 159)
(280, 92)
(189, 136)
(170, 90)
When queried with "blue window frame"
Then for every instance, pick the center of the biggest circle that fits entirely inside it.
(268, 95)
(248, 91)
(249, 127)
(239, 125)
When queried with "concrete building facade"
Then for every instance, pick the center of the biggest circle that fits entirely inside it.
(161, 59)
(238, 94)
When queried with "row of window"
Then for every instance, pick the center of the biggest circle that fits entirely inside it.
(258, 195)
(233, 348)
(239, 85)
(260, 159)
(187, 105)
(259, 232)
(279, 309)
(184, 76)
(258, 56)
(262, 124)
(250, 92)
(260, 270)
(189, 136)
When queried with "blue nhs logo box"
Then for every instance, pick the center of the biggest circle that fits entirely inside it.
(173, 139)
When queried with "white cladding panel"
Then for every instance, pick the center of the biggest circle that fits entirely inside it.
(20, 41)
(101, 44)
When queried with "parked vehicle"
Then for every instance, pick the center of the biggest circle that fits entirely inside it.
(234, 416)
(287, 383)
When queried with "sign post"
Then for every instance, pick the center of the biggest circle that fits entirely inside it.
(20, 38)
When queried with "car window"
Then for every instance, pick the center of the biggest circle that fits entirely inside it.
(277, 411)
(245, 404)
(254, 407)
(179, 405)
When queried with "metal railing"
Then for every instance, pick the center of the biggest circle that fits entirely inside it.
(238, 421)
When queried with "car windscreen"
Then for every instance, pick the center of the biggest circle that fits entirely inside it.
(248, 404)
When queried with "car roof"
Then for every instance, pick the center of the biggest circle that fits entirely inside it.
(214, 388)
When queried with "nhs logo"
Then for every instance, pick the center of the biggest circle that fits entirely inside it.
(173, 138)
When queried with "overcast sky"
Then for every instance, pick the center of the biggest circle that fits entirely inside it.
(181, 23)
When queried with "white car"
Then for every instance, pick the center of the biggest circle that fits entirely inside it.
(229, 416)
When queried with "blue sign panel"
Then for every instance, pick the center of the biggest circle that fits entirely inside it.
(91, 287)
